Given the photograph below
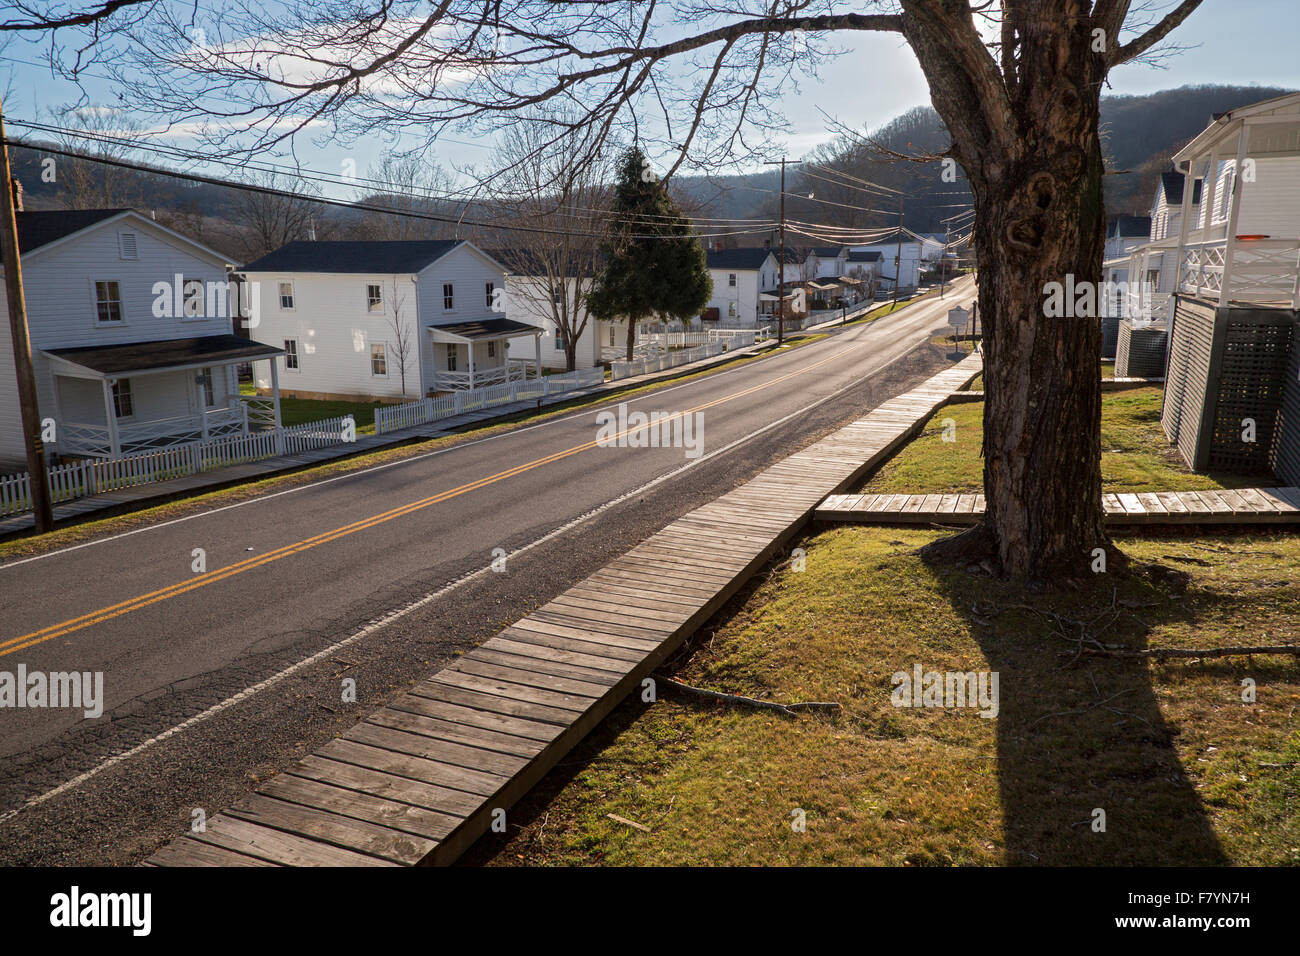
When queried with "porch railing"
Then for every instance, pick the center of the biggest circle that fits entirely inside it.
(481, 378)
(1262, 271)
(92, 476)
(426, 410)
(83, 438)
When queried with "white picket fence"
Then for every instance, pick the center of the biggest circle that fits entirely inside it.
(427, 410)
(94, 476)
(667, 360)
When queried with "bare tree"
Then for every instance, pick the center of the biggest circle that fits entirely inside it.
(412, 187)
(265, 221)
(403, 342)
(1017, 84)
(103, 133)
(563, 204)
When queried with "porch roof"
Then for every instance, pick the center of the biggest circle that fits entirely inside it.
(160, 355)
(482, 330)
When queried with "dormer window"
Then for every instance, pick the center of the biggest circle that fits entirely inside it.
(126, 247)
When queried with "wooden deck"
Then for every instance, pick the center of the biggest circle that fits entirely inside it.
(418, 781)
(1240, 506)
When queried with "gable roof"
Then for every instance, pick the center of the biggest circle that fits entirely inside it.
(747, 259)
(1135, 226)
(382, 256)
(826, 252)
(1172, 184)
(863, 256)
(40, 228)
(526, 262)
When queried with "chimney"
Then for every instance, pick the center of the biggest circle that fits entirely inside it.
(17, 186)
(767, 243)
(311, 229)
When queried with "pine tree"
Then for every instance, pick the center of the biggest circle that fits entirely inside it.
(654, 263)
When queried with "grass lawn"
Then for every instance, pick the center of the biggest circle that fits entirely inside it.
(1135, 455)
(297, 411)
(1185, 770)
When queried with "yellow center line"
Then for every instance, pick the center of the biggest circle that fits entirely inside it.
(248, 564)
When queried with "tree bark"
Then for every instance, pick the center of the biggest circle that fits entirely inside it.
(1030, 148)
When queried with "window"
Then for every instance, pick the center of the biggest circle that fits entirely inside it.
(286, 296)
(731, 310)
(612, 333)
(122, 406)
(731, 279)
(451, 358)
(378, 360)
(492, 350)
(557, 296)
(204, 380)
(492, 296)
(126, 247)
(448, 297)
(374, 298)
(108, 302)
(559, 340)
(291, 355)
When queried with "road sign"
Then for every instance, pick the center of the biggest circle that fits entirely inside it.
(958, 317)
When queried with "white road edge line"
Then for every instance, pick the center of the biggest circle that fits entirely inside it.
(415, 605)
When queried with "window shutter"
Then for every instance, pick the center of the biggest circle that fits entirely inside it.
(126, 245)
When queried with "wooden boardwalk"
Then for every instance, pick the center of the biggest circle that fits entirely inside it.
(1240, 506)
(421, 779)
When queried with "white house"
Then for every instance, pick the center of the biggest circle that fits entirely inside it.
(534, 298)
(898, 255)
(386, 320)
(131, 337)
(739, 278)
(827, 262)
(1226, 222)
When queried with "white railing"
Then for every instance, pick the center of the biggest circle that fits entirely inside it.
(260, 410)
(739, 338)
(675, 340)
(82, 438)
(427, 410)
(1263, 271)
(93, 476)
(666, 360)
(481, 378)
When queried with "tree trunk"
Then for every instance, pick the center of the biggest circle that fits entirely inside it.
(631, 336)
(1028, 141)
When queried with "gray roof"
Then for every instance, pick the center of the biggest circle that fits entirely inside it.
(395, 256)
(750, 258)
(865, 256)
(165, 353)
(487, 328)
(36, 229)
(1133, 226)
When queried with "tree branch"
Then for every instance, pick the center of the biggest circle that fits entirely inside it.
(1136, 47)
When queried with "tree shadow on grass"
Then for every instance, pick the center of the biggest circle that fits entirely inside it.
(1082, 734)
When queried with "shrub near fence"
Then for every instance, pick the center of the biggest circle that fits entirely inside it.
(95, 476)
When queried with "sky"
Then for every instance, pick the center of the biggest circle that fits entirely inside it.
(1238, 42)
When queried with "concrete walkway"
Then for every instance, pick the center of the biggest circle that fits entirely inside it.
(159, 492)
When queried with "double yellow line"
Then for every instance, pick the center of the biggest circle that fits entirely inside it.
(248, 564)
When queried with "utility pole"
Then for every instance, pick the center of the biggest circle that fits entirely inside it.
(780, 266)
(943, 261)
(37, 479)
(898, 256)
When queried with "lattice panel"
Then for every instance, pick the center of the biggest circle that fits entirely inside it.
(1249, 387)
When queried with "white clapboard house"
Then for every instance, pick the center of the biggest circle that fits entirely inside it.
(131, 337)
(387, 320)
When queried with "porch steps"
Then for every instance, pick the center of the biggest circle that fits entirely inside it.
(1238, 506)
(418, 781)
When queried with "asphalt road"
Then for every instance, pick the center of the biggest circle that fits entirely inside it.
(216, 676)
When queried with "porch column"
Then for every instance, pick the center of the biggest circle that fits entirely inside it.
(58, 416)
(1189, 179)
(537, 349)
(275, 391)
(110, 417)
(202, 405)
(1230, 241)
(470, 348)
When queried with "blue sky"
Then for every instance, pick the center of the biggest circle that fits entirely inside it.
(1240, 42)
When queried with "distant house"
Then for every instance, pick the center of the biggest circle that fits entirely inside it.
(536, 298)
(827, 262)
(132, 343)
(1125, 233)
(356, 318)
(739, 277)
(901, 256)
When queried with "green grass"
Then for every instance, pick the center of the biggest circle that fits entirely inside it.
(1186, 772)
(1135, 455)
(298, 411)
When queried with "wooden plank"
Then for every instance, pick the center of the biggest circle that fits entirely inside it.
(521, 671)
(483, 762)
(331, 828)
(1172, 504)
(1274, 496)
(288, 849)
(469, 735)
(1192, 502)
(491, 703)
(1234, 501)
(1151, 504)
(616, 656)
(405, 817)
(1256, 501)
(187, 852)
(378, 783)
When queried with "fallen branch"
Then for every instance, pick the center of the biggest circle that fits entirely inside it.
(1194, 652)
(738, 699)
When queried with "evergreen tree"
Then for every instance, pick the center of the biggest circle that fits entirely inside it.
(654, 263)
